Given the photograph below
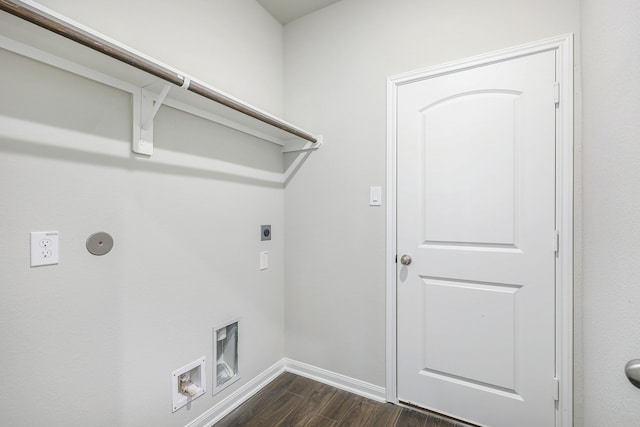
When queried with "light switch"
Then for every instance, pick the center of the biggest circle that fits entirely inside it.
(264, 260)
(375, 196)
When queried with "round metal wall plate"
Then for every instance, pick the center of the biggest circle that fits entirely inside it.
(99, 243)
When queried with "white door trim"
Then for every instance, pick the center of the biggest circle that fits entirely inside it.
(563, 45)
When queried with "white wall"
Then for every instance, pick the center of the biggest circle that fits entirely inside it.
(611, 173)
(93, 340)
(336, 64)
(236, 46)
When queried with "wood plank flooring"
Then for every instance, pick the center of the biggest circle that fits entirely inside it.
(291, 400)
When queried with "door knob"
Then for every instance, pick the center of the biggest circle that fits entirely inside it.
(405, 259)
(632, 369)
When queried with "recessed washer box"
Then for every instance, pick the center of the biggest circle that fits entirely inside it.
(188, 383)
(225, 354)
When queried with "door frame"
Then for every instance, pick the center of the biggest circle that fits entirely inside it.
(563, 45)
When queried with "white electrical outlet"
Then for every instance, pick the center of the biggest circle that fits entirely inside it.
(44, 248)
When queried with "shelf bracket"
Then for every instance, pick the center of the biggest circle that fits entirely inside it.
(293, 146)
(150, 103)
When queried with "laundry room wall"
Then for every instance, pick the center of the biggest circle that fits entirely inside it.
(611, 173)
(336, 66)
(235, 46)
(93, 340)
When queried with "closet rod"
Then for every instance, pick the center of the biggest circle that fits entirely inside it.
(89, 40)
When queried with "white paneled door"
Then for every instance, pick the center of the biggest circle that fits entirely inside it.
(476, 218)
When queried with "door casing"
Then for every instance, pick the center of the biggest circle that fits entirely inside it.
(563, 46)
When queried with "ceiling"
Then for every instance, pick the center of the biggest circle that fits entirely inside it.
(286, 11)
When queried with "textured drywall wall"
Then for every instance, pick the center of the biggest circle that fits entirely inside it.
(611, 173)
(235, 46)
(337, 61)
(93, 340)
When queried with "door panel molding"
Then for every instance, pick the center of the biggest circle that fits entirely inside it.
(563, 47)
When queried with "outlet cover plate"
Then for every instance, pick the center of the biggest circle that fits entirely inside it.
(44, 248)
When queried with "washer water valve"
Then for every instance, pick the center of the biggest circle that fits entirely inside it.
(187, 387)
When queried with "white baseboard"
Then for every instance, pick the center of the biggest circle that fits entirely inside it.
(237, 398)
(340, 381)
(231, 402)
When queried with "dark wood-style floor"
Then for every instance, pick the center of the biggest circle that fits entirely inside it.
(292, 400)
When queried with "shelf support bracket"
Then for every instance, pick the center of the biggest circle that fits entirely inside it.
(150, 103)
(294, 146)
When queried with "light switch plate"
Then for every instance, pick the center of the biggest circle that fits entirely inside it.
(375, 196)
(44, 248)
(264, 260)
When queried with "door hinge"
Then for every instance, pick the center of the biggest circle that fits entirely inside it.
(556, 389)
(556, 93)
(556, 241)
(396, 261)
